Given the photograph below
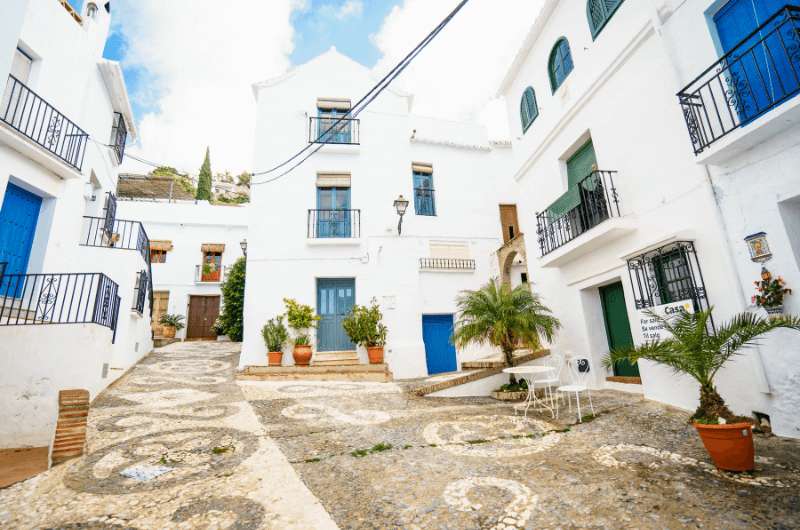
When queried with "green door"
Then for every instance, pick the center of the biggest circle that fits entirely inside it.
(618, 327)
(579, 166)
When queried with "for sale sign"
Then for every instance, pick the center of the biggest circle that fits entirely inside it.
(652, 329)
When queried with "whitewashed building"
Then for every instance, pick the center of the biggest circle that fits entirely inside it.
(192, 247)
(617, 212)
(74, 278)
(327, 233)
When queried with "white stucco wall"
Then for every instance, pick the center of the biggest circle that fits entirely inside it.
(282, 262)
(621, 93)
(188, 225)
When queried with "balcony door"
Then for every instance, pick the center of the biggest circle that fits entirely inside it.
(762, 68)
(18, 218)
(333, 215)
(335, 299)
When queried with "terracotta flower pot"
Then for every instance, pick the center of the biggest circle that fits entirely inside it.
(375, 354)
(275, 358)
(730, 445)
(168, 332)
(302, 355)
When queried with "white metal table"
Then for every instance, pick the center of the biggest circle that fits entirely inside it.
(529, 373)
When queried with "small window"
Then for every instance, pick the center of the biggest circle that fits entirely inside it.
(560, 64)
(329, 129)
(158, 256)
(424, 198)
(523, 277)
(599, 13)
(21, 66)
(212, 266)
(528, 109)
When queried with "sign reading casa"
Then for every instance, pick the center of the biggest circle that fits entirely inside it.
(652, 329)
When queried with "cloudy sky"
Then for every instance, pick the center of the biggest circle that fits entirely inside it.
(189, 64)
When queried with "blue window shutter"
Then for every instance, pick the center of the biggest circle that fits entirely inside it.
(560, 64)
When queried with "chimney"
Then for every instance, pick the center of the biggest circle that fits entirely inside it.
(96, 15)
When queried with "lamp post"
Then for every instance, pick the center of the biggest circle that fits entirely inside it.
(243, 244)
(401, 205)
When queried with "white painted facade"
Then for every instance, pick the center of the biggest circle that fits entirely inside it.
(621, 95)
(283, 261)
(68, 72)
(187, 226)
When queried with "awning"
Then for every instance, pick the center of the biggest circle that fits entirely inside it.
(213, 247)
(422, 167)
(161, 245)
(333, 104)
(333, 180)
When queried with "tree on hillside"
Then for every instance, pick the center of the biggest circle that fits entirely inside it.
(204, 181)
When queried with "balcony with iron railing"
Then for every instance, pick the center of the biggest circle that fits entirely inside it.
(119, 136)
(334, 224)
(205, 274)
(334, 130)
(595, 202)
(759, 74)
(447, 264)
(60, 298)
(27, 113)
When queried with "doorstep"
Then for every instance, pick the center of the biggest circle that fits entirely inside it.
(361, 372)
(625, 380)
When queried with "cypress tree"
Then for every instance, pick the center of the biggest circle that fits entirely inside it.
(204, 182)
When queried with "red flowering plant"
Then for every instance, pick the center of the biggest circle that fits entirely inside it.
(770, 291)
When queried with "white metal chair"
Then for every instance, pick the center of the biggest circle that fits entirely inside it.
(551, 381)
(580, 374)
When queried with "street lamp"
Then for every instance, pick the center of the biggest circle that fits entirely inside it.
(401, 205)
(243, 244)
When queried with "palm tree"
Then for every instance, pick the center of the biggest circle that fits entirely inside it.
(700, 353)
(503, 317)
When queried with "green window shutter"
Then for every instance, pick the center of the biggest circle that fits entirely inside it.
(599, 13)
(579, 166)
(529, 110)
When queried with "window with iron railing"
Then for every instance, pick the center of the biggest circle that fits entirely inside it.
(424, 194)
(140, 292)
(119, 136)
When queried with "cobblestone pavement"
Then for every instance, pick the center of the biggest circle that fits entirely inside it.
(178, 444)
(378, 458)
(173, 444)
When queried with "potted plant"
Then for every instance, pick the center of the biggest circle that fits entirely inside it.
(698, 350)
(503, 317)
(364, 327)
(275, 336)
(770, 293)
(172, 324)
(301, 319)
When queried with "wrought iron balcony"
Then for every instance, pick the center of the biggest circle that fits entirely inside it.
(447, 264)
(217, 275)
(759, 74)
(140, 291)
(119, 136)
(68, 298)
(118, 234)
(343, 131)
(342, 224)
(29, 114)
(597, 202)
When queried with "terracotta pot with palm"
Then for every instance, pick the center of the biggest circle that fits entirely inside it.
(275, 337)
(504, 317)
(698, 350)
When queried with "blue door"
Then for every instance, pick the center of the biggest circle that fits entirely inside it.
(18, 218)
(440, 354)
(333, 212)
(335, 299)
(763, 69)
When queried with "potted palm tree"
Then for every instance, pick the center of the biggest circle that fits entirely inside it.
(172, 324)
(503, 317)
(301, 319)
(364, 327)
(697, 350)
(275, 336)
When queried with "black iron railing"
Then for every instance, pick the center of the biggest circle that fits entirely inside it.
(598, 201)
(449, 264)
(110, 211)
(119, 136)
(28, 113)
(334, 224)
(334, 130)
(759, 74)
(68, 298)
(140, 291)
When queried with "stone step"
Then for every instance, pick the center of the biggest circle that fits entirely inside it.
(70, 436)
(335, 358)
(160, 342)
(361, 372)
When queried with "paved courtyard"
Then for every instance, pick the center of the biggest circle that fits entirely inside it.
(178, 443)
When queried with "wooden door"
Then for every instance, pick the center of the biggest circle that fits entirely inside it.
(509, 221)
(160, 306)
(618, 327)
(203, 312)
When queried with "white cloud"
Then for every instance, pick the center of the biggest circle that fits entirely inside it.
(351, 8)
(457, 75)
(200, 58)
